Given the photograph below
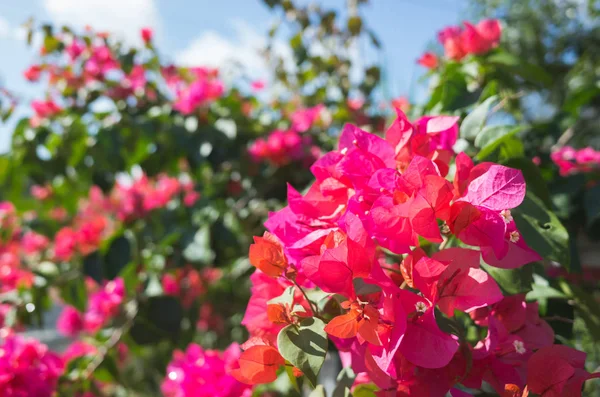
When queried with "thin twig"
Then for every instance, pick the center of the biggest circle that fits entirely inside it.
(559, 318)
(564, 138)
(313, 305)
(444, 243)
(501, 104)
(111, 342)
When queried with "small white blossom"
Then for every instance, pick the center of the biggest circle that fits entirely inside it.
(519, 347)
(514, 236)
(506, 215)
(421, 307)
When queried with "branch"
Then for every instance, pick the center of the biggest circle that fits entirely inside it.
(130, 314)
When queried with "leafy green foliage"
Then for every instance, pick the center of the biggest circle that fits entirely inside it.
(542, 230)
(305, 346)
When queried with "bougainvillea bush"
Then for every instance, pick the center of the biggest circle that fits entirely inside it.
(423, 259)
(404, 256)
(129, 198)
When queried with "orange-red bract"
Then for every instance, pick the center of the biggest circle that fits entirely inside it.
(512, 390)
(258, 364)
(344, 326)
(367, 326)
(267, 255)
(277, 314)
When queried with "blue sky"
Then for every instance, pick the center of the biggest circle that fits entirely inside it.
(212, 32)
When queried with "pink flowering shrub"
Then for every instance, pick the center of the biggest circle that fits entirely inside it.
(427, 258)
(572, 161)
(282, 147)
(27, 367)
(362, 261)
(204, 373)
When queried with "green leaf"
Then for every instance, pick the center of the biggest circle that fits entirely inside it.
(158, 318)
(305, 346)
(473, 123)
(345, 380)
(355, 25)
(591, 200)
(542, 290)
(586, 307)
(542, 230)
(198, 250)
(75, 293)
(511, 147)
(130, 277)
(491, 137)
(318, 392)
(287, 297)
(512, 281)
(117, 257)
(289, 370)
(365, 390)
(514, 65)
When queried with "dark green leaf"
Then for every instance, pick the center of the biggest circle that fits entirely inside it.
(586, 307)
(542, 230)
(592, 207)
(512, 281)
(74, 293)
(117, 257)
(158, 318)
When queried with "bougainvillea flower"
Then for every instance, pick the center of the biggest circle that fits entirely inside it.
(423, 343)
(458, 285)
(428, 60)
(303, 119)
(481, 215)
(442, 130)
(473, 39)
(557, 370)
(256, 320)
(482, 37)
(146, 34)
(70, 321)
(517, 254)
(267, 255)
(401, 103)
(258, 364)
(451, 38)
(28, 368)
(204, 373)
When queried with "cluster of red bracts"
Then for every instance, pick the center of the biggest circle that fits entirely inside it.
(374, 198)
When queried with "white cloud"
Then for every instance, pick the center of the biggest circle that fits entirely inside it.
(216, 50)
(124, 18)
(242, 48)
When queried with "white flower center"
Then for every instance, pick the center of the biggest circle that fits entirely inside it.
(506, 215)
(514, 236)
(344, 151)
(421, 307)
(519, 347)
